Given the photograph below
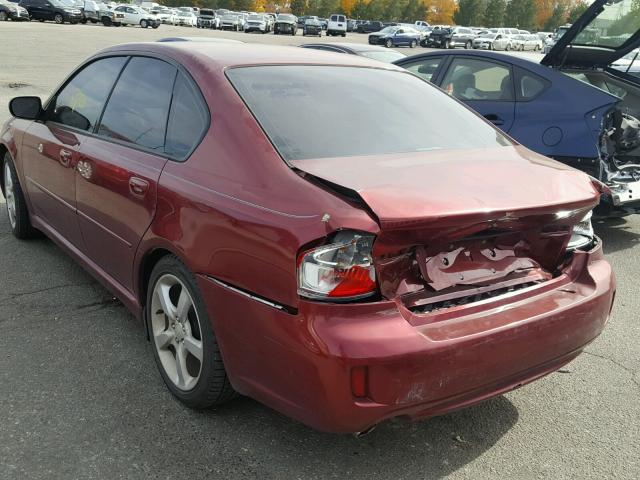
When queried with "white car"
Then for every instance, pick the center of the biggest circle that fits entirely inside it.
(133, 15)
(256, 23)
(165, 15)
(231, 21)
(187, 19)
(337, 25)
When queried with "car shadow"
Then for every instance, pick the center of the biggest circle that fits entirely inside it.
(617, 234)
(431, 448)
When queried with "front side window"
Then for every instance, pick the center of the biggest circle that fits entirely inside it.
(137, 110)
(469, 79)
(425, 68)
(374, 119)
(80, 102)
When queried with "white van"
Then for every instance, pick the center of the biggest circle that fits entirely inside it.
(337, 25)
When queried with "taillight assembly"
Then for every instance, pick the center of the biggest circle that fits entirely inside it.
(341, 270)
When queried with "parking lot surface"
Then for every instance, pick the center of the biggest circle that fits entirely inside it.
(81, 397)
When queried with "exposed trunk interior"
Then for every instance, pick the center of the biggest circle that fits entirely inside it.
(620, 142)
(475, 262)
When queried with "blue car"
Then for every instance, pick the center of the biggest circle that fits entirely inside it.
(396, 36)
(572, 106)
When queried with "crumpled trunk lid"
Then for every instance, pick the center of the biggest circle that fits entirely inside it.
(467, 219)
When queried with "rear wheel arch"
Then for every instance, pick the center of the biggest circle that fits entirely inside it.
(3, 151)
(149, 260)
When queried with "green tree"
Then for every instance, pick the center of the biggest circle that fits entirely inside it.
(521, 14)
(298, 7)
(470, 12)
(576, 12)
(359, 10)
(494, 15)
(557, 18)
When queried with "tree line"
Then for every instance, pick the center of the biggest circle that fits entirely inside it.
(525, 14)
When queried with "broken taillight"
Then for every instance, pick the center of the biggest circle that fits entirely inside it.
(341, 270)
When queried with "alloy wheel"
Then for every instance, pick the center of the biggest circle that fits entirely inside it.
(176, 331)
(9, 194)
(3, 16)
(58, 18)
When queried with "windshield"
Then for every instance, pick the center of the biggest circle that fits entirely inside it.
(389, 30)
(616, 24)
(488, 35)
(387, 56)
(374, 119)
(229, 17)
(257, 18)
(286, 18)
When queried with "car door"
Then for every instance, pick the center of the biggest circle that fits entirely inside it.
(51, 146)
(118, 171)
(132, 16)
(485, 85)
(36, 9)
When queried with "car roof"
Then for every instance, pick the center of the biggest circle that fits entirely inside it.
(355, 47)
(228, 55)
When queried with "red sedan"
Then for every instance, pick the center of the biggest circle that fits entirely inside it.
(329, 235)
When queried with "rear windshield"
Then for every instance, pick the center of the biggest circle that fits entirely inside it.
(325, 111)
(614, 25)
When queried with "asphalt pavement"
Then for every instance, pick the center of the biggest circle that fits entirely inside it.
(80, 395)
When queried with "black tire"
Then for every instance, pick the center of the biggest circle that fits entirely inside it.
(389, 43)
(213, 386)
(58, 18)
(106, 22)
(447, 44)
(414, 44)
(467, 45)
(144, 23)
(154, 26)
(83, 21)
(21, 228)
(3, 17)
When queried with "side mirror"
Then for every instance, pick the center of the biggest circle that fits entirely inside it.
(26, 108)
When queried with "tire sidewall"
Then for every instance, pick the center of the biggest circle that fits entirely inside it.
(22, 228)
(172, 265)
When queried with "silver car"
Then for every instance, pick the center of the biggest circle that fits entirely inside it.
(492, 41)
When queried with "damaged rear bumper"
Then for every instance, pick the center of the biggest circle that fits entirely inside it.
(417, 365)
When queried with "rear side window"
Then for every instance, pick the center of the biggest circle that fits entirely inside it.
(351, 111)
(529, 85)
(188, 119)
(80, 102)
(139, 105)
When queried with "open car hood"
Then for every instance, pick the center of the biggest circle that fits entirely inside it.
(607, 31)
(431, 189)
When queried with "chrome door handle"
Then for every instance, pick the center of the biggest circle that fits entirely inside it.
(65, 157)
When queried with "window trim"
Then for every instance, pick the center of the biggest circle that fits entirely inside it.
(487, 60)
(129, 54)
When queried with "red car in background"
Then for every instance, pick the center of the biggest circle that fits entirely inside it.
(282, 238)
